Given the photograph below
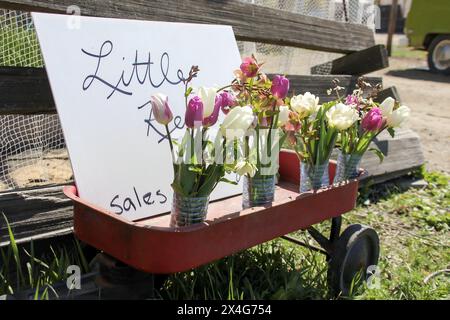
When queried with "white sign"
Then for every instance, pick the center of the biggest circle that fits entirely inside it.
(102, 74)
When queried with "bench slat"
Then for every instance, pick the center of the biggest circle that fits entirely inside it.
(250, 22)
(27, 91)
(357, 63)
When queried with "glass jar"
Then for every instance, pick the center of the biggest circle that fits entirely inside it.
(258, 190)
(188, 210)
(313, 177)
(347, 166)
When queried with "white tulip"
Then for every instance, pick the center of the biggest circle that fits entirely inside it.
(305, 105)
(244, 167)
(387, 106)
(398, 116)
(208, 96)
(283, 116)
(237, 122)
(341, 116)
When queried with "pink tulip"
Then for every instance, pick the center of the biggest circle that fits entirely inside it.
(294, 127)
(160, 108)
(373, 120)
(227, 101)
(212, 118)
(280, 87)
(351, 100)
(194, 113)
(249, 67)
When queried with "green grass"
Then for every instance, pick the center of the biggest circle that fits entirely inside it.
(22, 269)
(19, 46)
(414, 234)
(408, 52)
(413, 226)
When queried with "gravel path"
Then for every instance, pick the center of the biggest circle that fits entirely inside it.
(428, 96)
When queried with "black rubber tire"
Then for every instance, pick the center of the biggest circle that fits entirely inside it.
(357, 248)
(431, 49)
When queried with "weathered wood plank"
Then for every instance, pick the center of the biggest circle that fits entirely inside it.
(357, 63)
(250, 22)
(388, 92)
(27, 91)
(35, 213)
(402, 153)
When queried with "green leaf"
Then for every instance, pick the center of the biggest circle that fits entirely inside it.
(195, 169)
(188, 92)
(186, 179)
(378, 153)
(15, 250)
(391, 132)
(177, 188)
(270, 113)
(211, 181)
(228, 181)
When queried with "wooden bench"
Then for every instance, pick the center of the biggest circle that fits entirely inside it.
(45, 212)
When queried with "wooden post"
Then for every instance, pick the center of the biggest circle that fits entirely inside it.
(392, 25)
(344, 7)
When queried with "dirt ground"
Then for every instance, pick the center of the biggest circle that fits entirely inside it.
(428, 96)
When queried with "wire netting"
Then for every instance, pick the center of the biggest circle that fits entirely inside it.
(290, 60)
(32, 148)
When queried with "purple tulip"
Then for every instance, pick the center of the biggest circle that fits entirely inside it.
(194, 113)
(280, 87)
(160, 108)
(212, 118)
(227, 101)
(373, 120)
(249, 67)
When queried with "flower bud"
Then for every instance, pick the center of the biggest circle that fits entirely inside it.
(245, 168)
(283, 116)
(280, 87)
(212, 118)
(228, 100)
(387, 106)
(208, 97)
(373, 120)
(160, 108)
(305, 104)
(341, 116)
(398, 116)
(237, 121)
(249, 67)
(194, 113)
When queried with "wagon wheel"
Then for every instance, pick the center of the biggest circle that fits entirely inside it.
(439, 55)
(124, 282)
(356, 249)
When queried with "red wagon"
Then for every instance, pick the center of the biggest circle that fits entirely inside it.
(153, 246)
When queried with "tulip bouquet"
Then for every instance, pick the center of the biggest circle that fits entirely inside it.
(263, 101)
(312, 131)
(198, 162)
(372, 119)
